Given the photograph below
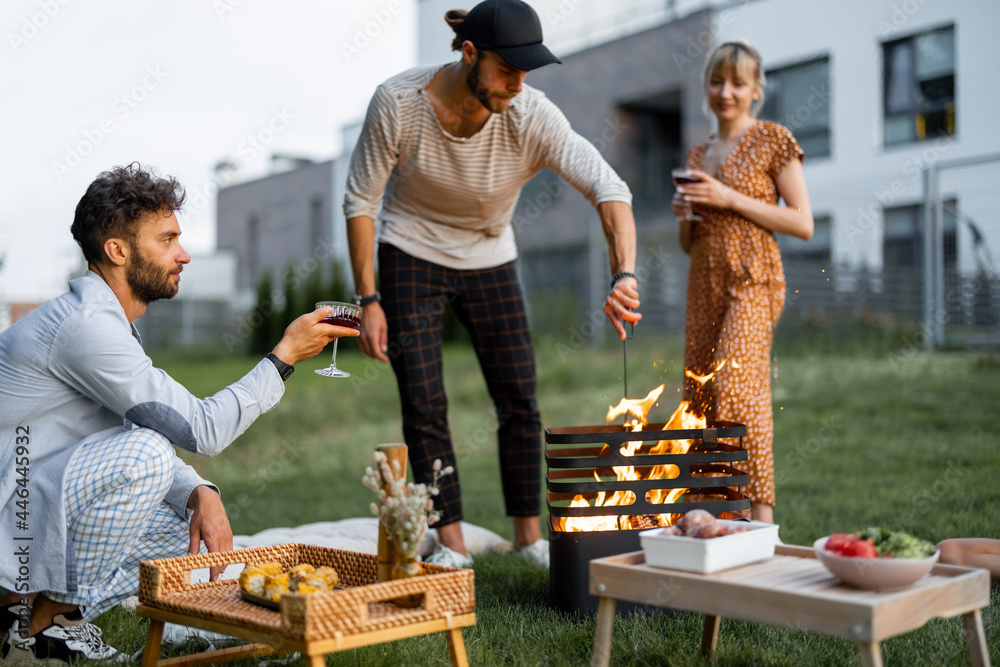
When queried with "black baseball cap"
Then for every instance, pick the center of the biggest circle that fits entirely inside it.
(512, 29)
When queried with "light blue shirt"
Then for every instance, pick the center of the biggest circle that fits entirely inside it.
(72, 372)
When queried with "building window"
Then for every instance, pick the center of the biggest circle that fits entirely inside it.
(660, 152)
(903, 237)
(317, 224)
(253, 247)
(798, 97)
(657, 148)
(902, 241)
(817, 250)
(919, 80)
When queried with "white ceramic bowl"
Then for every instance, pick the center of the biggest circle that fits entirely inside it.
(679, 552)
(874, 574)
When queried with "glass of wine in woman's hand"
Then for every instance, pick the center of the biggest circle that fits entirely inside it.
(684, 176)
(343, 315)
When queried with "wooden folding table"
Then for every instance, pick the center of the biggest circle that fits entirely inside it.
(792, 589)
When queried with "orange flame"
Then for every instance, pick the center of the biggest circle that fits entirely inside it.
(682, 419)
(702, 379)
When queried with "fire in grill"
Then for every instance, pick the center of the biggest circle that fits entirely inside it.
(607, 483)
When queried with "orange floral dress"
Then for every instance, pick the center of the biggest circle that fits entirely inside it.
(736, 292)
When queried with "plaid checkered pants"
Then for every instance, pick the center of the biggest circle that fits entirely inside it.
(490, 305)
(116, 517)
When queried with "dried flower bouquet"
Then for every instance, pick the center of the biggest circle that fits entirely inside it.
(405, 509)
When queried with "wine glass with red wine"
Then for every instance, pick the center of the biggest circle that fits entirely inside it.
(684, 176)
(343, 315)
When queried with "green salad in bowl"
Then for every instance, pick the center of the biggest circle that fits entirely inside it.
(898, 544)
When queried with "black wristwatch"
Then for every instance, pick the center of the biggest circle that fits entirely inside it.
(365, 300)
(284, 370)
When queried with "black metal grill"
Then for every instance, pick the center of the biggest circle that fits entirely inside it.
(576, 456)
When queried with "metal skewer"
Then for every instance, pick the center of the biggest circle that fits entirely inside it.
(631, 334)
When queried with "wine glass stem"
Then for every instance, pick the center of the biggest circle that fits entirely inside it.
(333, 360)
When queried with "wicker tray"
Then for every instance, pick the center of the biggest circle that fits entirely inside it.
(364, 605)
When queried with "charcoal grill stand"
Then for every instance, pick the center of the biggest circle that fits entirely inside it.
(574, 454)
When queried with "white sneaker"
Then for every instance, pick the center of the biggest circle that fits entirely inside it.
(11, 616)
(536, 553)
(59, 644)
(448, 558)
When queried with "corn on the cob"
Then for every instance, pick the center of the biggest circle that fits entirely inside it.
(329, 575)
(271, 567)
(305, 588)
(275, 585)
(270, 580)
(252, 580)
(301, 570)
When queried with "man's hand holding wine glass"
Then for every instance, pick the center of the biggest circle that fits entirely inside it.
(305, 337)
(339, 315)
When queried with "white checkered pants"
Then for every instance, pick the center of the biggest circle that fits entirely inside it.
(116, 517)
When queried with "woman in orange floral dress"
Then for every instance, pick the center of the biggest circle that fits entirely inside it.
(736, 285)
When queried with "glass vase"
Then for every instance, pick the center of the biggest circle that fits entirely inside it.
(408, 566)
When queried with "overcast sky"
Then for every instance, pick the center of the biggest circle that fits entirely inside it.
(177, 85)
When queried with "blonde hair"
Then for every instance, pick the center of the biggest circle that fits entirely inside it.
(745, 62)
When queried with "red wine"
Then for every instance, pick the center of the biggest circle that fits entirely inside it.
(343, 321)
(684, 180)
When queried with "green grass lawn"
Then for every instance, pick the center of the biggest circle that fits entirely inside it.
(862, 437)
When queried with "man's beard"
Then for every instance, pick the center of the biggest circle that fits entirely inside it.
(148, 282)
(482, 93)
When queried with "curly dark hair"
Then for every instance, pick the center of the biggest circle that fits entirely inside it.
(115, 202)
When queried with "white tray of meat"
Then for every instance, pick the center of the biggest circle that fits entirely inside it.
(701, 543)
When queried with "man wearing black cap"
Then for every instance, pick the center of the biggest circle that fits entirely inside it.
(446, 150)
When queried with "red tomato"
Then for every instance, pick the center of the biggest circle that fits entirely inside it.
(859, 548)
(837, 541)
